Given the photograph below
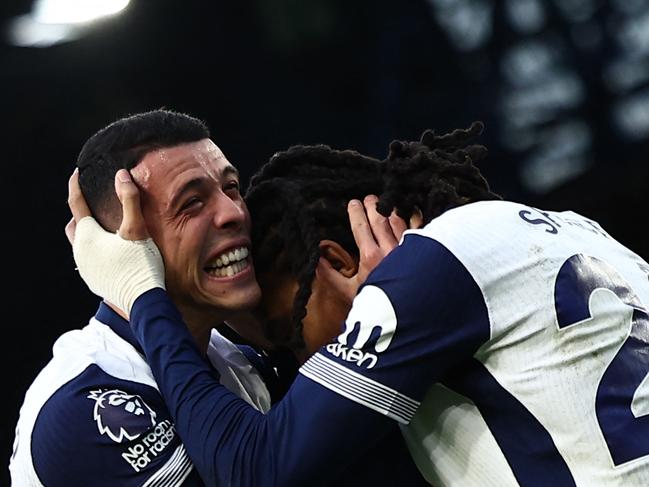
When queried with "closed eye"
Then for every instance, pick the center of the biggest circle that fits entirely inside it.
(190, 203)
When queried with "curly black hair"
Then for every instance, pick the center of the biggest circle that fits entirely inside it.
(299, 197)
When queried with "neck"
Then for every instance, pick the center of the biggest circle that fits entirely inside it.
(200, 326)
(249, 327)
(195, 323)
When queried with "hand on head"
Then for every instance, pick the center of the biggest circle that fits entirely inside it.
(117, 267)
(133, 226)
(375, 236)
(77, 204)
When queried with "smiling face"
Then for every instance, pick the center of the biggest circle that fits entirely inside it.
(196, 216)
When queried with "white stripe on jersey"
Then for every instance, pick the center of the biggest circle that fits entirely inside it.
(360, 389)
(174, 472)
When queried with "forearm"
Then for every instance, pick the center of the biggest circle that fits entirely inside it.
(309, 434)
(209, 418)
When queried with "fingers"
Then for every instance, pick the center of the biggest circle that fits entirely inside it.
(70, 229)
(363, 236)
(372, 231)
(76, 201)
(397, 224)
(381, 226)
(133, 226)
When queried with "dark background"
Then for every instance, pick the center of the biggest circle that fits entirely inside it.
(561, 86)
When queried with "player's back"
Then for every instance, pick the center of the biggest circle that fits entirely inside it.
(557, 395)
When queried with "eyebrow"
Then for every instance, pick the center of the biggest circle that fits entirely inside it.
(195, 183)
(229, 170)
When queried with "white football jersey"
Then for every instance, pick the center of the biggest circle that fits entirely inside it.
(94, 415)
(513, 346)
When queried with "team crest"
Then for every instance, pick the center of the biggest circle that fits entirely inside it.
(121, 416)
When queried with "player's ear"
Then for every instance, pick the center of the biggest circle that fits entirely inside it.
(341, 260)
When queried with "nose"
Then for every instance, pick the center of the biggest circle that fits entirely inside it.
(228, 213)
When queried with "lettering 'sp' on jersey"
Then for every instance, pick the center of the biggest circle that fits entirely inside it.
(513, 346)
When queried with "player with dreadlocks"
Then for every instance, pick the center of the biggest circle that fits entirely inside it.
(298, 201)
(508, 342)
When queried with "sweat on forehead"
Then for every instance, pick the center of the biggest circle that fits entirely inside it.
(200, 156)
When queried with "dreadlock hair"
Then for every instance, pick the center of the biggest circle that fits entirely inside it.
(123, 144)
(299, 197)
(434, 174)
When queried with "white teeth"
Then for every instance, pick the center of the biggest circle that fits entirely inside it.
(230, 263)
(230, 270)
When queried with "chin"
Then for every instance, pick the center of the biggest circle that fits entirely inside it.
(242, 300)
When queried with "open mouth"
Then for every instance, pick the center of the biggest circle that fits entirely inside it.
(229, 263)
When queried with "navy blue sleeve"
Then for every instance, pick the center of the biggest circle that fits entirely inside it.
(310, 436)
(419, 316)
(98, 430)
(316, 432)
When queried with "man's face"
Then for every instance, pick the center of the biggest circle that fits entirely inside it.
(196, 216)
(324, 318)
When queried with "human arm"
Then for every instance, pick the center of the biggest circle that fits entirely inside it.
(318, 419)
(129, 245)
(338, 405)
(375, 236)
(231, 443)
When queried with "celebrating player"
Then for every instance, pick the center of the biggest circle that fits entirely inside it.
(94, 414)
(509, 342)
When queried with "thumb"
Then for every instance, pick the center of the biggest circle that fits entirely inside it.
(76, 201)
(70, 230)
(133, 226)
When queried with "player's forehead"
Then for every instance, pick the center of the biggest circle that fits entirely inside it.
(167, 168)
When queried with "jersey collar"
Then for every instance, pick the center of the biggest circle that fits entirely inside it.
(118, 324)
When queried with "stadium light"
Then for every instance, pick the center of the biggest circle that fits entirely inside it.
(76, 11)
(55, 21)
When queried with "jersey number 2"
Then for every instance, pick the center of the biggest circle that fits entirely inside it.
(626, 435)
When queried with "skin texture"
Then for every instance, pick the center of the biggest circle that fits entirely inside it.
(190, 200)
(207, 219)
(325, 311)
(194, 211)
(338, 276)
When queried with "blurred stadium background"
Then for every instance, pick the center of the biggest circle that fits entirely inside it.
(562, 86)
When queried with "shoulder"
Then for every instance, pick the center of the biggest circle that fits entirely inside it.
(467, 221)
(81, 423)
(97, 425)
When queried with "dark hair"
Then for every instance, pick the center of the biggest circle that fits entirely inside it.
(122, 145)
(434, 173)
(299, 197)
